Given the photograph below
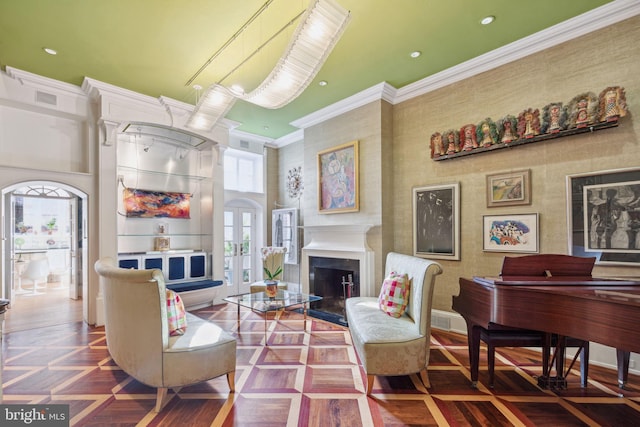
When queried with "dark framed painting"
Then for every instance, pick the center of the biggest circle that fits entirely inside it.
(436, 221)
(338, 179)
(509, 188)
(603, 216)
(510, 233)
(156, 204)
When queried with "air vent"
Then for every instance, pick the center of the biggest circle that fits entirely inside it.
(46, 98)
(244, 144)
(441, 322)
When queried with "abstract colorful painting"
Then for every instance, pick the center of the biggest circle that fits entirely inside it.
(155, 204)
(338, 179)
(511, 233)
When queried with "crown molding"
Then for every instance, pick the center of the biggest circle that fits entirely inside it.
(570, 29)
(601, 17)
(290, 138)
(374, 93)
(44, 83)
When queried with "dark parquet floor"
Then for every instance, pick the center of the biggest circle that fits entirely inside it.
(303, 378)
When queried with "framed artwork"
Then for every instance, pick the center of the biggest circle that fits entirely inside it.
(436, 221)
(338, 179)
(603, 213)
(162, 244)
(509, 188)
(284, 232)
(156, 204)
(510, 233)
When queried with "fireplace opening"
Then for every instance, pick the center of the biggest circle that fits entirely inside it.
(326, 277)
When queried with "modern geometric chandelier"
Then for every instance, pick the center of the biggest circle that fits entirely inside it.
(319, 30)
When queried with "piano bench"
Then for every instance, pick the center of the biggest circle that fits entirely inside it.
(510, 337)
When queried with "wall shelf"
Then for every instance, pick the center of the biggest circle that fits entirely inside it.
(131, 169)
(538, 138)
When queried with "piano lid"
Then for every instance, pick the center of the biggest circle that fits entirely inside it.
(553, 280)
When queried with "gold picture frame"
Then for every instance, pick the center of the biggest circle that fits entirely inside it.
(509, 188)
(338, 190)
(162, 243)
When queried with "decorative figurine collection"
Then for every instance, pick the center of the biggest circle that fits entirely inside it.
(582, 111)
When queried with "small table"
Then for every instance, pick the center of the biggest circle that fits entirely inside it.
(261, 303)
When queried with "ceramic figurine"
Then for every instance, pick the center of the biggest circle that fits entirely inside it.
(450, 138)
(583, 110)
(613, 104)
(529, 123)
(468, 139)
(487, 133)
(507, 128)
(554, 118)
(437, 147)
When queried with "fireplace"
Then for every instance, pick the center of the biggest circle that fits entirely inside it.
(331, 253)
(334, 279)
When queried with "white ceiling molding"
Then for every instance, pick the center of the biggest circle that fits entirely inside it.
(36, 81)
(374, 93)
(295, 136)
(596, 19)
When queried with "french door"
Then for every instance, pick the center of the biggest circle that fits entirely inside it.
(239, 249)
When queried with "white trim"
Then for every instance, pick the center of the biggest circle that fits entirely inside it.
(596, 19)
(39, 82)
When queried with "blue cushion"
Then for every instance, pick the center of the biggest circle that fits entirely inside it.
(192, 286)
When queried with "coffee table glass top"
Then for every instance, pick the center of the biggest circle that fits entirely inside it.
(259, 301)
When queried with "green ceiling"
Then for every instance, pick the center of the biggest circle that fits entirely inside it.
(155, 46)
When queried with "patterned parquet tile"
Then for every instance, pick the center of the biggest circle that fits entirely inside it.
(306, 377)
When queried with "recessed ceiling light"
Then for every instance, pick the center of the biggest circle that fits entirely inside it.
(415, 54)
(265, 127)
(50, 51)
(488, 20)
(323, 83)
(197, 87)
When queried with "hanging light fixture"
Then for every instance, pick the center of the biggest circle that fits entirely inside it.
(319, 30)
(216, 101)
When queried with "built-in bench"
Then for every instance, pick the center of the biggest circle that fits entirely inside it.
(196, 294)
(184, 271)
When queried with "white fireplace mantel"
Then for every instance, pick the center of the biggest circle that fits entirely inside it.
(350, 238)
(347, 241)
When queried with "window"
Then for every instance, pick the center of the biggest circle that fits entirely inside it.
(243, 171)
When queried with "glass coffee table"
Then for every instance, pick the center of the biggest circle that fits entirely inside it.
(261, 303)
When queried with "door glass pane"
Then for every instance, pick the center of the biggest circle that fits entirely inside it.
(229, 241)
(247, 245)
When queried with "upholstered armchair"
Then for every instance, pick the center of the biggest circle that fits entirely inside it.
(137, 330)
(272, 268)
(396, 346)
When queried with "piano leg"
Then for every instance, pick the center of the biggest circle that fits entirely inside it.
(623, 367)
(546, 380)
(473, 337)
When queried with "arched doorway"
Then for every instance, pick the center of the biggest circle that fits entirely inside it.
(44, 254)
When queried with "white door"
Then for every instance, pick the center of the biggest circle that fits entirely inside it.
(239, 249)
(73, 272)
(29, 239)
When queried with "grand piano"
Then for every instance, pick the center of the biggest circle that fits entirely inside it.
(555, 294)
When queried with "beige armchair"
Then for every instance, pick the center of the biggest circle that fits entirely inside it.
(396, 346)
(138, 340)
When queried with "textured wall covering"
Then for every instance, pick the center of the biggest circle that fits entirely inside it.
(394, 153)
(591, 63)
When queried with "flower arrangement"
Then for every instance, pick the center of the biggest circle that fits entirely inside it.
(268, 254)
